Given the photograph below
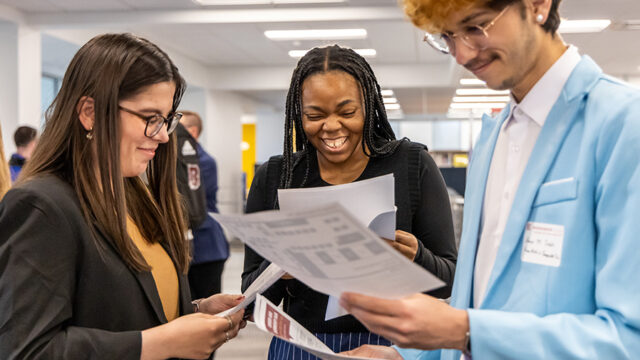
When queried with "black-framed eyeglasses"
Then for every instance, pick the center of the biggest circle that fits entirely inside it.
(155, 121)
(474, 37)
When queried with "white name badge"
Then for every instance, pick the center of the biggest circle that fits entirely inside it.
(543, 244)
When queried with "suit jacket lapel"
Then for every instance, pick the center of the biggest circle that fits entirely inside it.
(474, 192)
(564, 113)
(147, 283)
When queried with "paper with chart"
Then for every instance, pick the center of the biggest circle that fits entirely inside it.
(269, 318)
(268, 277)
(328, 249)
(371, 201)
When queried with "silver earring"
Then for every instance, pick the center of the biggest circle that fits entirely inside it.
(90, 134)
(540, 18)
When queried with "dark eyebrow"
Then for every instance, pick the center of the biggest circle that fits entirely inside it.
(345, 102)
(313, 107)
(472, 17)
(148, 110)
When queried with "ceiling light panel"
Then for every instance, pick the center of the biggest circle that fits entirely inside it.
(471, 99)
(386, 92)
(480, 92)
(498, 105)
(472, 82)
(317, 34)
(389, 100)
(583, 26)
(392, 106)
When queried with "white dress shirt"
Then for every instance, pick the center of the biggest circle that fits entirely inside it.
(515, 143)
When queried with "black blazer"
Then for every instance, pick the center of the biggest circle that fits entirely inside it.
(60, 296)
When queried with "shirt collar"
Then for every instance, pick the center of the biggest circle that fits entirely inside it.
(538, 102)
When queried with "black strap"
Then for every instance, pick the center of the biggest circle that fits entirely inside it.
(274, 169)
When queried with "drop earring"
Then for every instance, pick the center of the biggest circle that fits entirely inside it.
(90, 134)
(540, 18)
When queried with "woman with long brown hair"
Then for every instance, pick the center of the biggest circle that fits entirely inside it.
(93, 259)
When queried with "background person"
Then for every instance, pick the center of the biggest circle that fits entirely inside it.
(26, 139)
(93, 259)
(210, 247)
(548, 256)
(343, 135)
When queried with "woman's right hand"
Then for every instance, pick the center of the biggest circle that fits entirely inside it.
(193, 336)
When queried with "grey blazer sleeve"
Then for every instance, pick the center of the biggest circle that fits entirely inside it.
(40, 255)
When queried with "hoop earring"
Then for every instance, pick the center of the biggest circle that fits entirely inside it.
(540, 18)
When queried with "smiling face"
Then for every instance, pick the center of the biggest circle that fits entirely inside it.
(136, 150)
(508, 55)
(333, 117)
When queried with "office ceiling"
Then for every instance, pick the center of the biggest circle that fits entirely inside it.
(236, 42)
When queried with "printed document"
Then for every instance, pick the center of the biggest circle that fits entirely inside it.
(268, 277)
(271, 319)
(330, 251)
(371, 201)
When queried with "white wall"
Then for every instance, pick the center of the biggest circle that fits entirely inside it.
(269, 133)
(20, 68)
(222, 136)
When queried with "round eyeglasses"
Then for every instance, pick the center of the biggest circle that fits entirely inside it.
(155, 122)
(475, 37)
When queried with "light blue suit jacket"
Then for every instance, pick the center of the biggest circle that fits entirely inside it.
(583, 174)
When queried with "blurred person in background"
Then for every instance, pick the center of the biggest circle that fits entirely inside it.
(26, 139)
(210, 248)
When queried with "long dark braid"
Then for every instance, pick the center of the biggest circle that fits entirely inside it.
(377, 133)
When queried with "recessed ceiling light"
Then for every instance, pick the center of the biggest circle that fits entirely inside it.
(583, 26)
(362, 52)
(497, 105)
(392, 106)
(262, 2)
(316, 34)
(471, 82)
(390, 100)
(471, 99)
(480, 92)
(386, 92)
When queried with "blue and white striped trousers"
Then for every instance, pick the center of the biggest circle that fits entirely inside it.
(282, 350)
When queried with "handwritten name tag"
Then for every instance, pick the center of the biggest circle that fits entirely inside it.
(543, 244)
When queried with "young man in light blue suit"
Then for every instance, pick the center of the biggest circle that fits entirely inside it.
(549, 264)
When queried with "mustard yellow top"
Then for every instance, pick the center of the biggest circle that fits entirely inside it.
(162, 268)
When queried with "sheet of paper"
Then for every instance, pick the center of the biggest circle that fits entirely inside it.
(271, 319)
(371, 201)
(338, 253)
(268, 277)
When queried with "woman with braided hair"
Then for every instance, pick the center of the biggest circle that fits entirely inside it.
(335, 109)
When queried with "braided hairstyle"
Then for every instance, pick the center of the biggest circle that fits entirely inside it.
(377, 133)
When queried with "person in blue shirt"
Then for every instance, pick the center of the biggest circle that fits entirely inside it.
(549, 262)
(210, 247)
(26, 139)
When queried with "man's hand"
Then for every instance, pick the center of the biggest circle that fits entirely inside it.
(418, 321)
(374, 352)
(405, 243)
